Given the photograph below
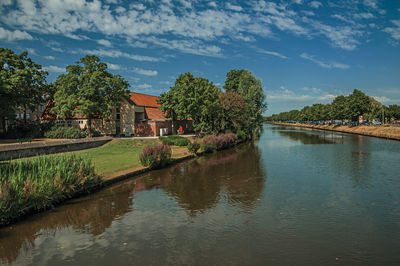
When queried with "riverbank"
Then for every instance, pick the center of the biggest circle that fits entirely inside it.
(113, 162)
(388, 132)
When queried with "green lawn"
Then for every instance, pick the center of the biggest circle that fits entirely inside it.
(117, 155)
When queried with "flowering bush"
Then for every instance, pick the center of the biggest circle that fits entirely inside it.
(156, 156)
(222, 141)
(209, 143)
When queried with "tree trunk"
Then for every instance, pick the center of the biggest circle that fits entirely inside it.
(89, 133)
(25, 113)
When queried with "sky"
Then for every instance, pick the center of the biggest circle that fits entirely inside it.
(304, 51)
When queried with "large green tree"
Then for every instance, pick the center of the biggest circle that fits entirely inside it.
(232, 112)
(246, 84)
(358, 103)
(88, 89)
(22, 83)
(193, 98)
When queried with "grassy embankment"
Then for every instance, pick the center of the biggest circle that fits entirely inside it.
(384, 131)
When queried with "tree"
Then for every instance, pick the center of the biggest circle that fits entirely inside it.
(340, 108)
(88, 89)
(232, 113)
(243, 82)
(394, 111)
(193, 98)
(22, 83)
(358, 104)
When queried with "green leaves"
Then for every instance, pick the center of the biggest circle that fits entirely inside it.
(88, 89)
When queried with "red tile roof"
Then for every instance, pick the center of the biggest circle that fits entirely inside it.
(144, 99)
(154, 114)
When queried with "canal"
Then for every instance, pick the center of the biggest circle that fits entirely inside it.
(295, 197)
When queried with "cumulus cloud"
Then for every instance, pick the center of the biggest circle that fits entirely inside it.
(189, 30)
(49, 57)
(394, 31)
(145, 72)
(17, 35)
(323, 64)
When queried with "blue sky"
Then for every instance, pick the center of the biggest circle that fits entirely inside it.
(304, 51)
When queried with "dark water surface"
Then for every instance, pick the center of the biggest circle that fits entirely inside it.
(296, 197)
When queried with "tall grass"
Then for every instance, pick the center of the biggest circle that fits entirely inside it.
(42, 182)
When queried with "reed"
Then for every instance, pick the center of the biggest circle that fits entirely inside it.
(42, 182)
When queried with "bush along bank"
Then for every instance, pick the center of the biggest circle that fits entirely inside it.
(33, 185)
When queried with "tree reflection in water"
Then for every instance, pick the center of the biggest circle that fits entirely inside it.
(234, 175)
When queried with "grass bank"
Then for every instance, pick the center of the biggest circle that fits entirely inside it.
(384, 131)
(39, 183)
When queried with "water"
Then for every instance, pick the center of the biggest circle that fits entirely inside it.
(295, 197)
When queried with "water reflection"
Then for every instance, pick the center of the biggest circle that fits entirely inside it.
(308, 137)
(87, 215)
(234, 176)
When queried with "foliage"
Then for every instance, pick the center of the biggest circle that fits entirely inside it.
(42, 182)
(193, 147)
(195, 98)
(23, 130)
(57, 132)
(241, 135)
(174, 140)
(88, 89)
(22, 84)
(342, 108)
(232, 111)
(156, 156)
(250, 88)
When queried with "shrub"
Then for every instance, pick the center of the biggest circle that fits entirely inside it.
(42, 182)
(174, 140)
(209, 143)
(23, 130)
(193, 147)
(65, 133)
(155, 156)
(241, 135)
(222, 141)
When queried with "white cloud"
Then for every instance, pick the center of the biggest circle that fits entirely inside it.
(364, 16)
(16, 35)
(188, 29)
(371, 3)
(106, 43)
(144, 86)
(299, 2)
(315, 4)
(233, 7)
(113, 66)
(284, 95)
(212, 4)
(187, 46)
(31, 51)
(55, 69)
(394, 31)
(272, 53)
(49, 57)
(117, 53)
(324, 64)
(145, 72)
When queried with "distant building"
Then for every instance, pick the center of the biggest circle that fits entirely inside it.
(138, 115)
